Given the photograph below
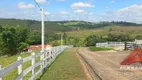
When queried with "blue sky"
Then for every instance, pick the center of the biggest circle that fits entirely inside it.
(87, 10)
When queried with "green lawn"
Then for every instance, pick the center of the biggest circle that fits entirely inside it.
(66, 67)
(6, 61)
(94, 48)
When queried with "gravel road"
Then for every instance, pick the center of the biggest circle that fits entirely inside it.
(105, 65)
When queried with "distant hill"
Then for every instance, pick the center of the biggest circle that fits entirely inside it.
(34, 25)
(57, 26)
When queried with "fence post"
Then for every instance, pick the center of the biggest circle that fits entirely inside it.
(41, 59)
(0, 69)
(59, 51)
(33, 64)
(51, 54)
(20, 67)
(55, 53)
(41, 62)
(45, 62)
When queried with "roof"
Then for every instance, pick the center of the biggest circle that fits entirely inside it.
(134, 56)
(36, 46)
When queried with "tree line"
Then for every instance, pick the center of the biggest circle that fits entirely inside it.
(91, 40)
(13, 39)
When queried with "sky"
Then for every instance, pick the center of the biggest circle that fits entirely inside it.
(85, 10)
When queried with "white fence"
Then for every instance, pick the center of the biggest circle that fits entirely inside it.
(110, 44)
(138, 42)
(46, 58)
(124, 45)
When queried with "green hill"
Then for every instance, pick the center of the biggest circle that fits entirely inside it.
(78, 33)
(57, 26)
(34, 25)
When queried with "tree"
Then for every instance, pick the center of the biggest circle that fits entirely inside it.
(34, 38)
(22, 45)
(12, 39)
(93, 39)
(51, 37)
(139, 37)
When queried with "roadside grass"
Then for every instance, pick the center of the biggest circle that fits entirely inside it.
(66, 67)
(94, 48)
(6, 61)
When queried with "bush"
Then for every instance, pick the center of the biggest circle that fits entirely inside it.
(94, 48)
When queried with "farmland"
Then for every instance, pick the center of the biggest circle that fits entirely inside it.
(133, 31)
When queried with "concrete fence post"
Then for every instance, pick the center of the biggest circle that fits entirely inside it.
(59, 50)
(55, 53)
(0, 69)
(20, 67)
(41, 67)
(51, 53)
(46, 54)
(43, 59)
(33, 64)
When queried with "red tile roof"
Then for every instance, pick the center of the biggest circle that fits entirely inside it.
(135, 56)
(33, 47)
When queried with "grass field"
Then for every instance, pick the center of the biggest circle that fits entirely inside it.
(6, 61)
(66, 67)
(94, 48)
(132, 31)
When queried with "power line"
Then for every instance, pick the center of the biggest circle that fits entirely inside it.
(41, 9)
(37, 5)
(46, 17)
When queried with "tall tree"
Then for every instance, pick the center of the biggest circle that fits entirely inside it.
(11, 39)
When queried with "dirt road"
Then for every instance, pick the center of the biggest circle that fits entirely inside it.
(105, 65)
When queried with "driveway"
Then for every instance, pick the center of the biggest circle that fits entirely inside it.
(105, 65)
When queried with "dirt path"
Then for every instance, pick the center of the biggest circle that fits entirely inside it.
(106, 64)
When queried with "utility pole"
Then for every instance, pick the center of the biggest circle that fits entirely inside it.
(42, 30)
(61, 40)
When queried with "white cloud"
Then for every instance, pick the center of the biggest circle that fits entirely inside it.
(131, 14)
(47, 13)
(41, 1)
(21, 15)
(79, 11)
(112, 1)
(133, 8)
(64, 12)
(81, 5)
(60, 0)
(22, 5)
(92, 13)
